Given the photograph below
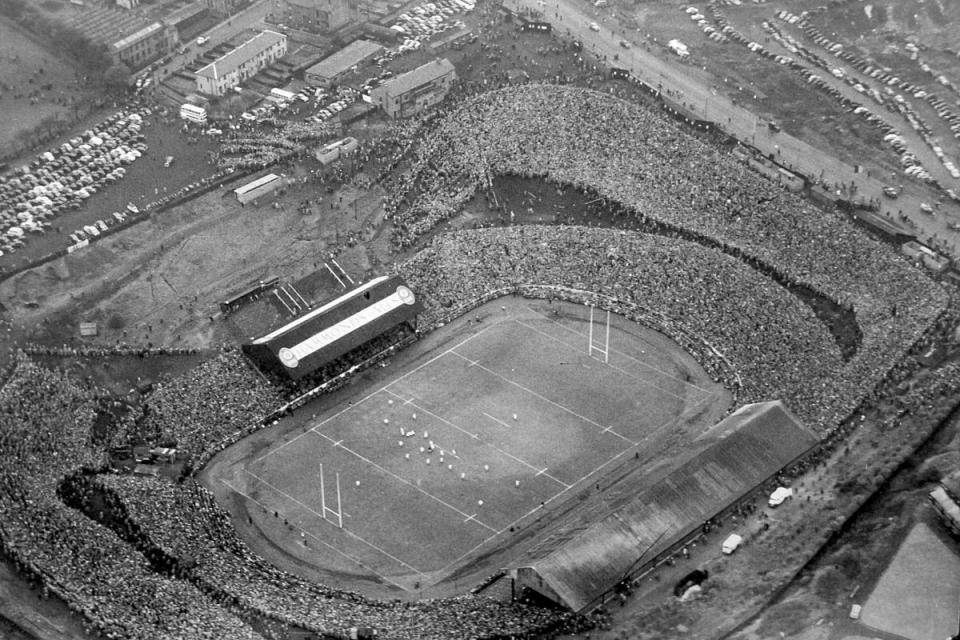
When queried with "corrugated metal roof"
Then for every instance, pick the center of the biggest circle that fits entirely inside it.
(744, 449)
(341, 61)
(417, 77)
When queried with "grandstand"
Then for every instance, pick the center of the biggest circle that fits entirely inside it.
(305, 344)
(742, 453)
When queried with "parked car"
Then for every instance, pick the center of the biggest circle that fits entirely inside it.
(731, 544)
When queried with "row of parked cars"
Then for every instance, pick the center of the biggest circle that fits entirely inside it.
(892, 135)
(426, 20)
(61, 179)
(892, 84)
(711, 32)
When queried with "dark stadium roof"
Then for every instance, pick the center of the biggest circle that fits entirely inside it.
(745, 449)
(331, 330)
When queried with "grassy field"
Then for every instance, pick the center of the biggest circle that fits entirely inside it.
(28, 69)
(458, 452)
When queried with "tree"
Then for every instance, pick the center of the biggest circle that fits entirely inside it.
(117, 76)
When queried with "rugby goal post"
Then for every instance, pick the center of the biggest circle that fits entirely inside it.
(334, 513)
(602, 348)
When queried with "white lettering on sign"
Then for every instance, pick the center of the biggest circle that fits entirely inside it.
(291, 357)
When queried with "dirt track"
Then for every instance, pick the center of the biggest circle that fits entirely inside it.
(160, 281)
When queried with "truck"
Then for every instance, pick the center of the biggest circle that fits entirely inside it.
(731, 544)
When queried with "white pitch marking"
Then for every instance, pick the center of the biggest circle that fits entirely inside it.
(498, 421)
(476, 437)
(404, 481)
(315, 538)
(619, 353)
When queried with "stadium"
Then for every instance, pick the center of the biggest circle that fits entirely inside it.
(556, 408)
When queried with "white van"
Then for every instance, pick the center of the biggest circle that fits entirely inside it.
(779, 496)
(731, 544)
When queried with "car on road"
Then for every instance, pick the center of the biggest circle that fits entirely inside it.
(202, 40)
(594, 26)
(624, 44)
(926, 208)
(168, 161)
(891, 192)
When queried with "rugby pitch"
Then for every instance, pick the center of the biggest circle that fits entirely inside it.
(410, 476)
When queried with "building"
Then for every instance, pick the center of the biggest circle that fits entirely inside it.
(186, 18)
(410, 93)
(315, 16)
(129, 38)
(259, 187)
(145, 45)
(224, 7)
(925, 255)
(242, 63)
(660, 512)
(324, 334)
(330, 70)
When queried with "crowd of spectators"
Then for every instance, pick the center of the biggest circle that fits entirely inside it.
(676, 182)
(709, 302)
(249, 148)
(693, 278)
(207, 403)
(47, 419)
(211, 585)
(208, 552)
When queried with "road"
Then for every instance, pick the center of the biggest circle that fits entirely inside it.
(566, 17)
(250, 17)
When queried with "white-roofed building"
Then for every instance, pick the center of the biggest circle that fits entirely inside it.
(410, 93)
(242, 63)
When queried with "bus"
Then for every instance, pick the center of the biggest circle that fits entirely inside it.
(193, 113)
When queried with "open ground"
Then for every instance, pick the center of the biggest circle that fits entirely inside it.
(917, 595)
(28, 68)
(446, 455)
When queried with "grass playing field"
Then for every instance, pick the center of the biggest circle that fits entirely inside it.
(471, 440)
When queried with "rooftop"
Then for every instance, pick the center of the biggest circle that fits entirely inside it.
(352, 54)
(417, 77)
(232, 60)
(734, 457)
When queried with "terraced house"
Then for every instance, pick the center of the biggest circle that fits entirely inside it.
(240, 64)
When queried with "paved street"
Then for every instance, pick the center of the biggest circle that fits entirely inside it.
(249, 17)
(568, 18)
